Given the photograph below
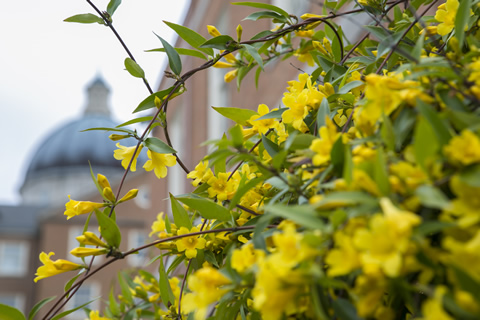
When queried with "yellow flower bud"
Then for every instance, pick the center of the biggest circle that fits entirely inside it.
(239, 32)
(158, 102)
(90, 238)
(221, 64)
(213, 31)
(116, 137)
(229, 76)
(318, 46)
(310, 15)
(103, 181)
(130, 195)
(81, 252)
(108, 194)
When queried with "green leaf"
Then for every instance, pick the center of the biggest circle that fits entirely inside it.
(266, 15)
(439, 127)
(417, 50)
(337, 156)
(70, 282)
(270, 146)
(263, 6)
(302, 141)
(432, 227)
(109, 229)
(461, 20)
(180, 215)
(85, 18)
(113, 304)
(165, 289)
(349, 86)
(10, 313)
(174, 60)
(208, 209)
(191, 37)
(156, 145)
(238, 115)
(347, 198)
(471, 176)
(149, 102)
(221, 42)
(254, 53)
(65, 313)
(466, 281)
(425, 145)
(38, 306)
(109, 129)
(275, 114)
(236, 135)
(112, 6)
(136, 120)
(380, 173)
(126, 293)
(303, 215)
(134, 69)
(387, 133)
(323, 111)
(344, 310)
(431, 197)
(183, 51)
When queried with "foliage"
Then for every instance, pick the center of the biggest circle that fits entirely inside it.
(358, 198)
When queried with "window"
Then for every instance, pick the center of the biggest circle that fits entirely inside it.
(13, 258)
(15, 300)
(87, 292)
(137, 238)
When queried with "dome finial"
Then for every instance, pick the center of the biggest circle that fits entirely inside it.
(98, 93)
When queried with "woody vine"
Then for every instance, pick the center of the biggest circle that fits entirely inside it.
(357, 198)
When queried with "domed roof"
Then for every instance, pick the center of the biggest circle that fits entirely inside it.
(67, 147)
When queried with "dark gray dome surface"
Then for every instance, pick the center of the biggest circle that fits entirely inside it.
(69, 147)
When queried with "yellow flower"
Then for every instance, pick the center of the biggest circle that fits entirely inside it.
(463, 149)
(222, 187)
(387, 241)
(201, 173)
(344, 258)
(108, 193)
(229, 76)
(213, 31)
(323, 145)
(75, 208)
(103, 181)
(189, 244)
(432, 309)
(465, 208)
(90, 238)
(206, 285)
(95, 315)
(465, 255)
(245, 257)
(158, 226)
(51, 268)
(129, 195)
(446, 15)
(81, 252)
(262, 126)
(125, 154)
(159, 163)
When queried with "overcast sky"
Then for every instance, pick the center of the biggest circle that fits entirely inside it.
(46, 64)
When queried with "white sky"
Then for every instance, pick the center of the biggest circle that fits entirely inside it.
(45, 65)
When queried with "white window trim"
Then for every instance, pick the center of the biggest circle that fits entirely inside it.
(22, 265)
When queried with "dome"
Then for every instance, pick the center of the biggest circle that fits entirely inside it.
(68, 147)
(60, 165)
